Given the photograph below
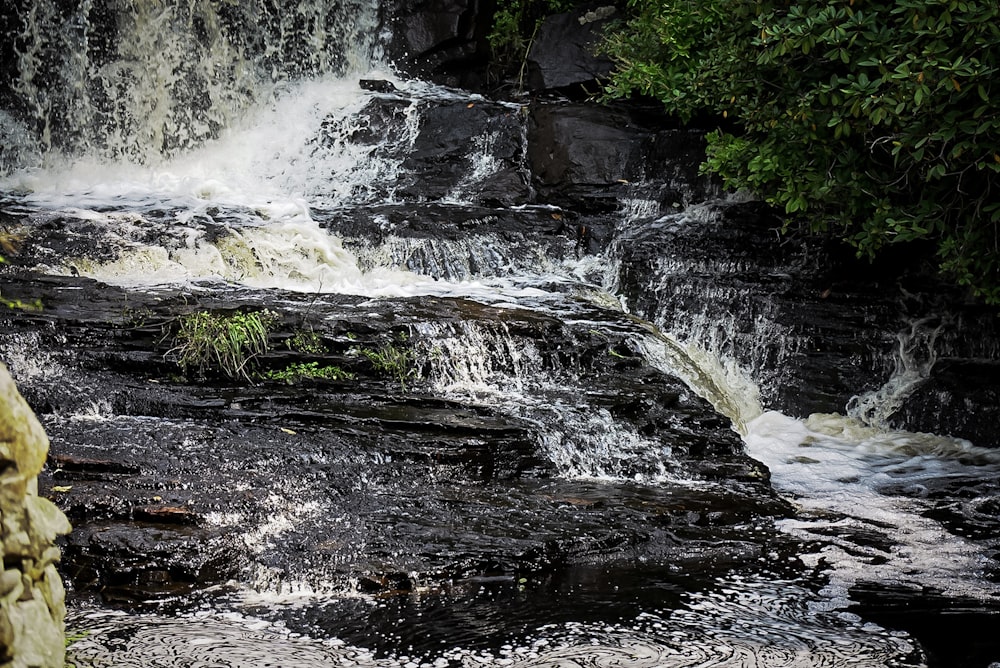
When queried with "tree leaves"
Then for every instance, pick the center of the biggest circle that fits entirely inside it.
(879, 119)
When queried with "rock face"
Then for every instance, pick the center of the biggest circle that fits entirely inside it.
(459, 145)
(564, 52)
(816, 328)
(444, 40)
(32, 599)
(588, 158)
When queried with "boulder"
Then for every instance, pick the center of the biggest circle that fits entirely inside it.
(443, 40)
(471, 150)
(589, 157)
(32, 599)
(564, 52)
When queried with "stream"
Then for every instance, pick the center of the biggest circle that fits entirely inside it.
(563, 467)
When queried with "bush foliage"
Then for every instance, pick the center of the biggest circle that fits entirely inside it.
(879, 120)
(226, 342)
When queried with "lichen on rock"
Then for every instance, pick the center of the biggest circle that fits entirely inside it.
(32, 598)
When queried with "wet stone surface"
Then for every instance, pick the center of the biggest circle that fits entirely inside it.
(176, 484)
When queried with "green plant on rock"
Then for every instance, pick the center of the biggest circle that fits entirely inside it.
(306, 341)
(878, 120)
(392, 360)
(226, 342)
(17, 303)
(300, 371)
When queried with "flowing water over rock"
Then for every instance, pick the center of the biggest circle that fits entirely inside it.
(538, 437)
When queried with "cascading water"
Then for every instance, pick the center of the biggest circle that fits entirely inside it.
(537, 486)
(137, 81)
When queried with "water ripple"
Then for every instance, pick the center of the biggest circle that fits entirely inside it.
(742, 623)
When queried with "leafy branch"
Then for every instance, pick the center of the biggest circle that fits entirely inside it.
(876, 120)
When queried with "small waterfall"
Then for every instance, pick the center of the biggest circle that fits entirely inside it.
(912, 362)
(137, 80)
(289, 251)
(724, 354)
(491, 365)
(722, 383)
(586, 443)
(483, 163)
(469, 258)
(476, 360)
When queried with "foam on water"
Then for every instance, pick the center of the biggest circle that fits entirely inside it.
(861, 494)
(283, 150)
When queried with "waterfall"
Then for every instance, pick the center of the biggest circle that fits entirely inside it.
(912, 362)
(708, 308)
(139, 80)
(507, 415)
(492, 365)
(722, 382)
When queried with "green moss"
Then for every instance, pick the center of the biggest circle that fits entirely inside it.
(294, 373)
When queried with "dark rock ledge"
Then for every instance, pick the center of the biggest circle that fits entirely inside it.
(177, 484)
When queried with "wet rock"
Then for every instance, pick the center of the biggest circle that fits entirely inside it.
(953, 631)
(129, 561)
(377, 85)
(564, 51)
(960, 398)
(32, 602)
(67, 462)
(469, 149)
(444, 40)
(352, 482)
(456, 242)
(585, 157)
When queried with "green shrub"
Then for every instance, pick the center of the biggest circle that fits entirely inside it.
(878, 120)
(228, 343)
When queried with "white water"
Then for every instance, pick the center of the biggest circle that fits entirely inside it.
(755, 625)
(261, 183)
(861, 493)
(160, 77)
